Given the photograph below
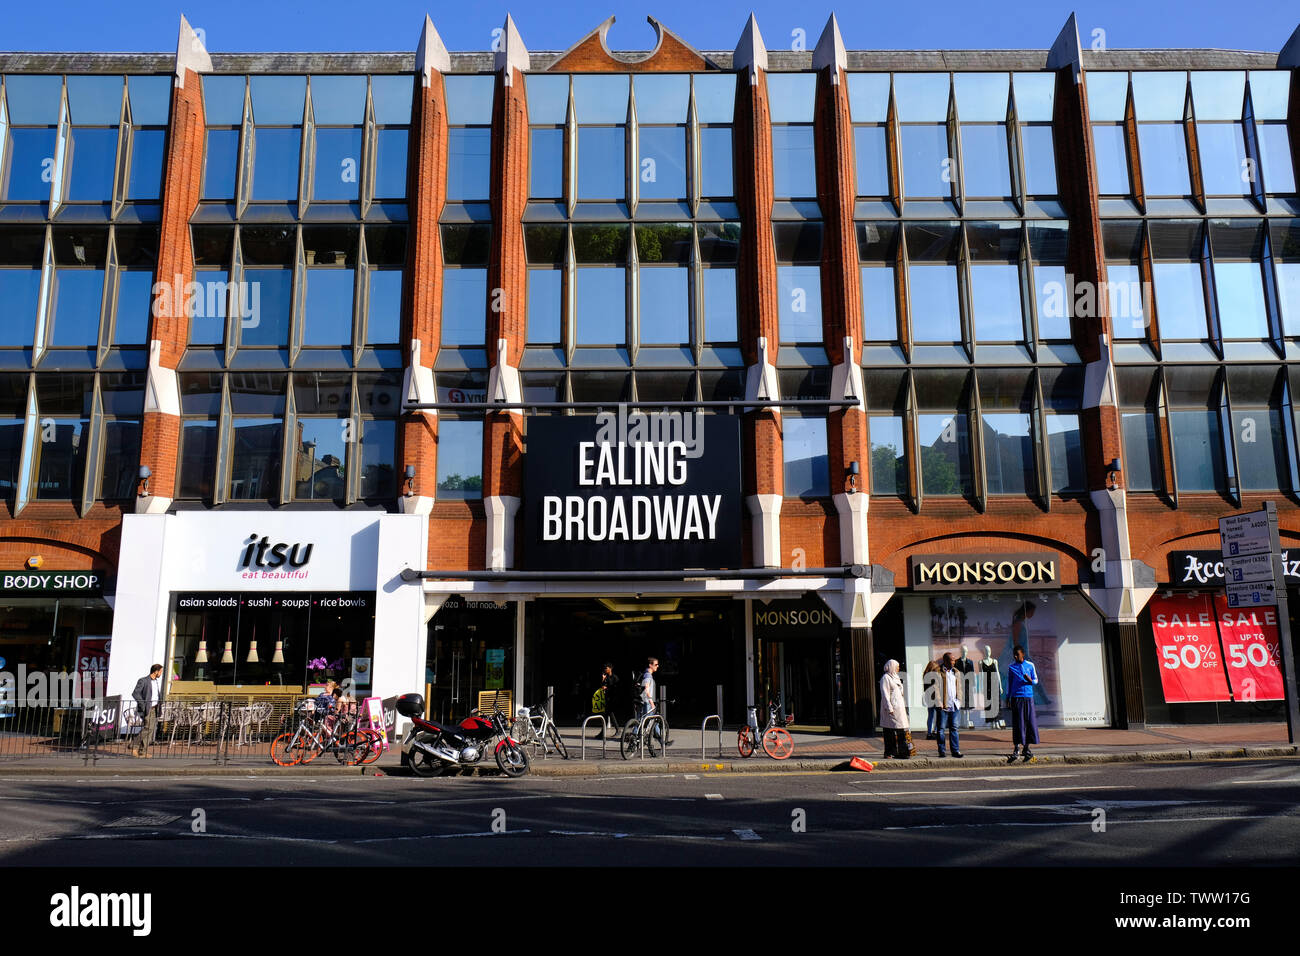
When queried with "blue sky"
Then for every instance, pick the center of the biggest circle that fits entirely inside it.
(258, 25)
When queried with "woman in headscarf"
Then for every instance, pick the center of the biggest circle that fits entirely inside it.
(893, 713)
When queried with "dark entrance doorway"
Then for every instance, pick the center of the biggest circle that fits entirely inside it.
(795, 657)
(471, 649)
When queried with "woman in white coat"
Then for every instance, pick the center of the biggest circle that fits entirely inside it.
(893, 713)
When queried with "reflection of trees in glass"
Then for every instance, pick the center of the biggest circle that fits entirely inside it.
(664, 242)
(600, 243)
(457, 483)
(888, 470)
(939, 473)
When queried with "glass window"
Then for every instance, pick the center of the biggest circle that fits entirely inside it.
(1112, 160)
(662, 164)
(13, 405)
(716, 162)
(278, 100)
(33, 99)
(134, 304)
(600, 98)
(879, 304)
(794, 168)
(321, 453)
(378, 458)
(869, 97)
(665, 313)
(921, 97)
(1040, 160)
(1261, 449)
(220, 164)
(1141, 451)
(945, 454)
(1275, 158)
(803, 445)
(255, 459)
(391, 96)
(1180, 299)
(469, 99)
(464, 305)
(548, 97)
(384, 315)
(1052, 295)
(20, 291)
(995, 296)
(602, 306)
(223, 100)
(546, 164)
(469, 163)
(720, 305)
(266, 301)
(1065, 447)
(121, 459)
(1124, 291)
(790, 96)
(338, 100)
(78, 296)
(1288, 294)
(888, 455)
(92, 158)
(30, 168)
(715, 97)
(198, 457)
(328, 317)
(1222, 148)
(147, 149)
(390, 163)
(602, 172)
(986, 160)
(1008, 453)
(460, 458)
(1239, 289)
(799, 293)
(61, 453)
(275, 163)
(208, 307)
(1164, 159)
(337, 171)
(1198, 449)
(871, 159)
(927, 169)
(545, 305)
(932, 291)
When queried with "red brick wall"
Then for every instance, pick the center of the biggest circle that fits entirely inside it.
(670, 56)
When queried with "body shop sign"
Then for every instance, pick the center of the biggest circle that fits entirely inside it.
(632, 490)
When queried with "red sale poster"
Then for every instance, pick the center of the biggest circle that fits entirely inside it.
(1251, 650)
(1187, 648)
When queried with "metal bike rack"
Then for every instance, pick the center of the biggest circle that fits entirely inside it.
(604, 732)
(704, 728)
(642, 728)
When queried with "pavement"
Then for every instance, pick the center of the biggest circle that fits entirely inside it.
(812, 752)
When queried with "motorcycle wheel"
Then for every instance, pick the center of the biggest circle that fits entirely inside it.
(424, 765)
(512, 759)
(554, 736)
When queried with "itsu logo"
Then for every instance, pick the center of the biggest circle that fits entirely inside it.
(260, 553)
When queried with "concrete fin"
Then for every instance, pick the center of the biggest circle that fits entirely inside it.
(512, 55)
(431, 55)
(191, 53)
(830, 50)
(751, 53)
(1289, 57)
(1066, 50)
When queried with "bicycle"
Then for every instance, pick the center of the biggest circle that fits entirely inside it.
(640, 731)
(777, 742)
(533, 725)
(350, 745)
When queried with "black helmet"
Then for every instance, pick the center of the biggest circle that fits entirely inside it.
(411, 705)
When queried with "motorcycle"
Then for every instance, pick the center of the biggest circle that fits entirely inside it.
(431, 749)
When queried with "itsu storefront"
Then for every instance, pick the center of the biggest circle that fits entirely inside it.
(253, 599)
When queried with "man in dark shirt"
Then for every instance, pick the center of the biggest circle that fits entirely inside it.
(609, 693)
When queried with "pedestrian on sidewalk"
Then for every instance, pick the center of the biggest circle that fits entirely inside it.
(928, 682)
(949, 705)
(1022, 679)
(893, 713)
(148, 700)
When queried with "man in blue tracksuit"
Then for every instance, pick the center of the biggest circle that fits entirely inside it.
(1022, 679)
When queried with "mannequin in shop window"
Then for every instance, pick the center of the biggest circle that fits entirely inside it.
(965, 667)
(992, 689)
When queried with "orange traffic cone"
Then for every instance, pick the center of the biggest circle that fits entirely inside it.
(861, 763)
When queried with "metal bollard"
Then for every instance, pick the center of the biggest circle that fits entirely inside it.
(704, 727)
(604, 732)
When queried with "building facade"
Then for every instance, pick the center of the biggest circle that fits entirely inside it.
(476, 371)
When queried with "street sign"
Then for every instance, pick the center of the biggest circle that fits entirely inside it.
(1258, 594)
(1245, 534)
(1248, 568)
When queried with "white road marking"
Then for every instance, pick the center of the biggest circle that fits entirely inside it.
(439, 836)
(1005, 776)
(747, 834)
(1082, 805)
(1289, 781)
(713, 796)
(945, 793)
(1083, 823)
(692, 776)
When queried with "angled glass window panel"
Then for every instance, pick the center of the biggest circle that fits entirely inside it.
(1239, 289)
(323, 393)
(665, 312)
(600, 98)
(30, 167)
(336, 173)
(1008, 453)
(790, 96)
(661, 98)
(664, 242)
(469, 99)
(466, 245)
(719, 242)
(391, 96)
(121, 459)
(932, 294)
(799, 295)
(1270, 91)
(995, 295)
(338, 100)
(78, 296)
(545, 245)
(1218, 95)
(982, 97)
(888, 455)
(92, 156)
(254, 459)
(464, 307)
(717, 163)
(921, 97)
(986, 160)
(868, 97)
(95, 100)
(328, 316)
(794, 167)
(34, 100)
(265, 301)
(20, 291)
(871, 159)
(661, 167)
(927, 168)
(546, 164)
(223, 101)
(601, 243)
(220, 164)
(277, 100)
(11, 453)
(61, 463)
(1274, 158)
(384, 312)
(1164, 159)
(390, 163)
(208, 309)
(1040, 160)
(1035, 94)
(1288, 294)
(134, 303)
(1052, 294)
(1159, 96)
(1124, 292)
(944, 442)
(602, 306)
(545, 306)
(1065, 446)
(378, 458)
(200, 393)
(320, 459)
(460, 458)
(198, 458)
(720, 323)
(1180, 299)
(548, 98)
(275, 163)
(715, 97)
(1261, 449)
(879, 304)
(1112, 160)
(602, 163)
(1197, 438)
(469, 161)
(1141, 451)
(807, 472)
(147, 150)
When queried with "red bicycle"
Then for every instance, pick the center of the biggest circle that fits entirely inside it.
(777, 742)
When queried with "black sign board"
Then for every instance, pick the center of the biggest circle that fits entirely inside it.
(653, 491)
(806, 617)
(984, 572)
(1204, 568)
(72, 583)
(254, 600)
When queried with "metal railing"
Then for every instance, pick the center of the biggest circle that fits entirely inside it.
(704, 726)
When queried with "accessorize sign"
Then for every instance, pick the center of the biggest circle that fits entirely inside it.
(1187, 647)
(632, 491)
(935, 572)
(1196, 568)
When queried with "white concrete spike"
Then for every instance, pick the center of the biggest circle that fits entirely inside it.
(431, 55)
